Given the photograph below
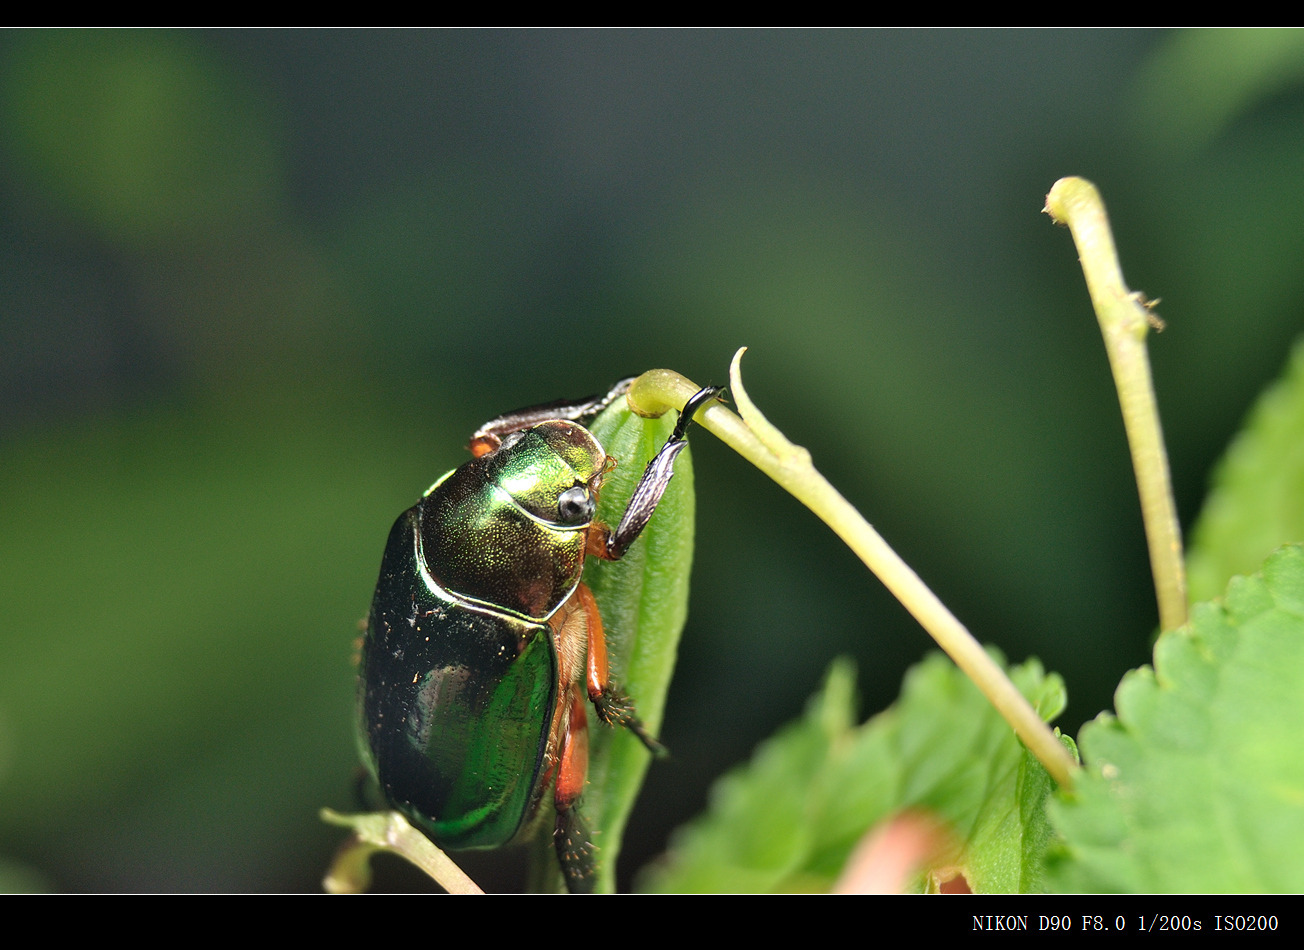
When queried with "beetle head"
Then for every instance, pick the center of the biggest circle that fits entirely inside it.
(551, 470)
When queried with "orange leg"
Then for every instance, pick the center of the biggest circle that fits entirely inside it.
(578, 627)
(574, 755)
(613, 706)
(570, 639)
(596, 668)
(570, 836)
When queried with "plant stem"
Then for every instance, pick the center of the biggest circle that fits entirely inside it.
(754, 438)
(1125, 318)
(350, 872)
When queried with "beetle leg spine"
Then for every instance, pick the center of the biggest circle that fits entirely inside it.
(576, 852)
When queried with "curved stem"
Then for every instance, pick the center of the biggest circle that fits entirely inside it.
(754, 438)
(1125, 318)
(350, 872)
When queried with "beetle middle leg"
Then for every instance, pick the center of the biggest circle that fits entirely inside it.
(576, 853)
(582, 670)
(582, 657)
(613, 706)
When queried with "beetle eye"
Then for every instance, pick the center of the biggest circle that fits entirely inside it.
(575, 505)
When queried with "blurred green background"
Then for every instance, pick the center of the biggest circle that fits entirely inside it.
(259, 286)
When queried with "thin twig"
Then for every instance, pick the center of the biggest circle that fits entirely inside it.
(1125, 318)
(350, 872)
(754, 438)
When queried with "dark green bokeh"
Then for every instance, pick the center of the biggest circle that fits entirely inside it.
(260, 286)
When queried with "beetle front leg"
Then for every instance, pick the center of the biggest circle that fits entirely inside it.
(576, 853)
(612, 545)
(490, 435)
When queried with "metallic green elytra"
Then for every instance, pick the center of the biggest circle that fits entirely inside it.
(482, 643)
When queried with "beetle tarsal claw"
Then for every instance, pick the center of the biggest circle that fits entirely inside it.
(615, 708)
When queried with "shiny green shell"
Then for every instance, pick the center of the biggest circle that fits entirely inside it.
(458, 683)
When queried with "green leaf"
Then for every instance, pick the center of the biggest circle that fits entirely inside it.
(1197, 785)
(643, 599)
(789, 819)
(1199, 81)
(1257, 503)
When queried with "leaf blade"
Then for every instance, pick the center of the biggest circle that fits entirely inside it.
(813, 790)
(1196, 786)
(643, 599)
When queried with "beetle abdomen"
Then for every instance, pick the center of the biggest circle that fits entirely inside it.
(456, 703)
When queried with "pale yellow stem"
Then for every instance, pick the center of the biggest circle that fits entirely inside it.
(350, 872)
(1125, 318)
(754, 438)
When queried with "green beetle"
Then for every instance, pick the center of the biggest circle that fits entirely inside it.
(483, 643)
